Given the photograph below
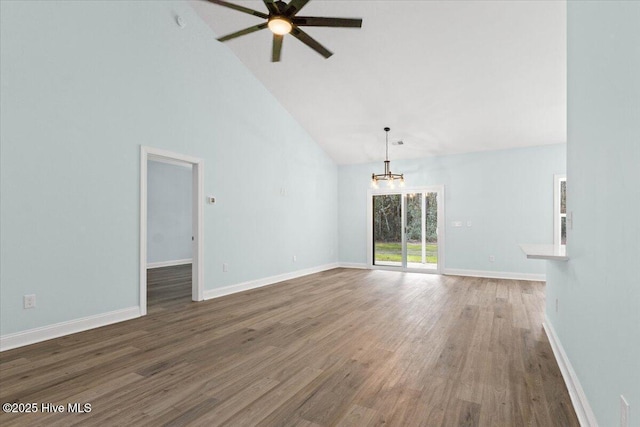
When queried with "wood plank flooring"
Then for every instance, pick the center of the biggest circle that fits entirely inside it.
(339, 348)
(168, 287)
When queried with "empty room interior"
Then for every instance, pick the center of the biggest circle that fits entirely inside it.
(320, 213)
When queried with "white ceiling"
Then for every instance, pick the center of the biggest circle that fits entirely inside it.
(446, 76)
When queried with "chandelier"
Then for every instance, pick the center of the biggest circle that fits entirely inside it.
(387, 175)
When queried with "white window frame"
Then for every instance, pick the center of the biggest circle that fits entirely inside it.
(557, 215)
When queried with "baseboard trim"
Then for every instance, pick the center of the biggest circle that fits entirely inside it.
(585, 414)
(362, 266)
(169, 263)
(495, 274)
(259, 283)
(44, 333)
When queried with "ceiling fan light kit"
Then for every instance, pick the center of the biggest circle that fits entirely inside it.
(387, 175)
(280, 25)
(282, 20)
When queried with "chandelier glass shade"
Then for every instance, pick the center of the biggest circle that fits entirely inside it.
(391, 178)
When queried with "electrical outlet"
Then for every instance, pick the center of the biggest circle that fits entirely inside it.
(492, 258)
(295, 258)
(225, 267)
(29, 301)
(624, 412)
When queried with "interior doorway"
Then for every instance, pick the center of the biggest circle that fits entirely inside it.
(406, 229)
(169, 233)
(148, 154)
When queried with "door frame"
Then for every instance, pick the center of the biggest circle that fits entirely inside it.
(441, 227)
(197, 266)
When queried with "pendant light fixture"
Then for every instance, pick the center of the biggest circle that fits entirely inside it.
(387, 175)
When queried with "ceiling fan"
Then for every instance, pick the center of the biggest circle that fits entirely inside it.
(282, 20)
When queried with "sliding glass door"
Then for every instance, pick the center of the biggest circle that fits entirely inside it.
(405, 229)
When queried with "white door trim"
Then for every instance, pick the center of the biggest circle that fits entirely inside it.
(441, 226)
(197, 275)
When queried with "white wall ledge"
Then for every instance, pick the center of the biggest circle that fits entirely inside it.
(550, 252)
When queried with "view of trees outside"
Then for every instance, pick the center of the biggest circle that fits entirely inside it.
(387, 228)
(387, 223)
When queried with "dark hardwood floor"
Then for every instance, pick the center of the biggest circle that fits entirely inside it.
(342, 347)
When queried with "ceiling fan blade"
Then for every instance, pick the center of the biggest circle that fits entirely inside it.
(310, 41)
(240, 8)
(277, 48)
(295, 6)
(271, 5)
(313, 21)
(243, 32)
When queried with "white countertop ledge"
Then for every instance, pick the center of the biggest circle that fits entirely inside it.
(550, 252)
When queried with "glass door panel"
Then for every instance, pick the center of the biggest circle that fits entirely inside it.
(415, 230)
(387, 230)
(431, 231)
(422, 230)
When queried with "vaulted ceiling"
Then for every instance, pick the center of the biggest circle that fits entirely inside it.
(446, 76)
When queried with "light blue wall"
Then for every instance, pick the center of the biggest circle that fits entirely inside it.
(169, 212)
(507, 195)
(598, 321)
(84, 84)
